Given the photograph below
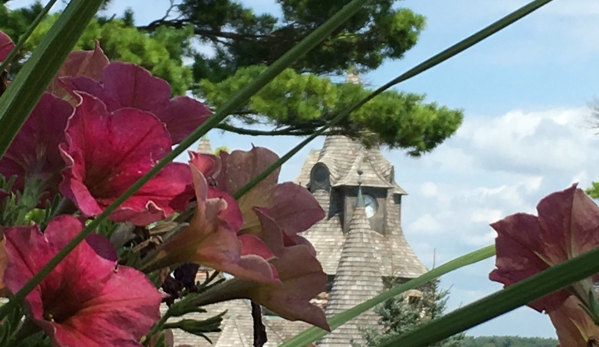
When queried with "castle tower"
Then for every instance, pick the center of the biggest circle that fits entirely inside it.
(358, 277)
(360, 242)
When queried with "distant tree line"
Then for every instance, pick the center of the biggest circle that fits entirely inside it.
(507, 341)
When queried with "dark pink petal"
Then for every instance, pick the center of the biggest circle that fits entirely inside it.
(295, 209)
(33, 154)
(102, 246)
(209, 165)
(106, 306)
(209, 240)
(301, 275)
(567, 226)
(4, 291)
(241, 168)
(6, 45)
(518, 246)
(80, 63)
(570, 223)
(128, 85)
(107, 152)
(251, 244)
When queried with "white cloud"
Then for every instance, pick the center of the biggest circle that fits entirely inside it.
(515, 160)
(429, 189)
(426, 225)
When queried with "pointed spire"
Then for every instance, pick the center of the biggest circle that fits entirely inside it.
(360, 198)
(359, 277)
(204, 146)
(353, 76)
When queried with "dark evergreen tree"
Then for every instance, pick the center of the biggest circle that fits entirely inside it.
(244, 43)
(403, 314)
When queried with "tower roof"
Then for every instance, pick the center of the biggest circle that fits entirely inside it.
(204, 146)
(343, 157)
(358, 279)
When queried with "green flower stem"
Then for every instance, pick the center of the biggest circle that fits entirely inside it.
(314, 333)
(418, 69)
(535, 287)
(32, 80)
(26, 35)
(234, 103)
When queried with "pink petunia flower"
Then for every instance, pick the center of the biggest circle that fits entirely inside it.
(293, 207)
(125, 85)
(33, 155)
(107, 152)
(87, 300)
(299, 271)
(567, 226)
(211, 238)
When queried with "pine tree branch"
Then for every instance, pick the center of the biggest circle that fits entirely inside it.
(252, 132)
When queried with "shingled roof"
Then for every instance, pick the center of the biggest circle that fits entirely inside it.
(358, 279)
(204, 146)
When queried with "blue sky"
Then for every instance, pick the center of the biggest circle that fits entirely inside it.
(527, 129)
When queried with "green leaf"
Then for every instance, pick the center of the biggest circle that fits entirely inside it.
(313, 334)
(35, 76)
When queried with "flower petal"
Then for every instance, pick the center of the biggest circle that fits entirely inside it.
(573, 325)
(34, 152)
(302, 277)
(209, 240)
(568, 225)
(295, 209)
(128, 85)
(80, 63)
(107, 306)
(241, 168)
(6, 45)
(107, 152)
(4, 291)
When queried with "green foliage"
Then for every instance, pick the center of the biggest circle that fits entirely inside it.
(400, 315)
(219, 149)
(593, 191)
(160, 52)
(243, 38)
(295, 103)
(508, 341)
(299, 100)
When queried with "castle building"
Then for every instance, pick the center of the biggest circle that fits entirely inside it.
(360, 244)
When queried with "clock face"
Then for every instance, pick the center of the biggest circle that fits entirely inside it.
(370, 205)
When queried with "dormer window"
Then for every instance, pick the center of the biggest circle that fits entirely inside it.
(320, 177)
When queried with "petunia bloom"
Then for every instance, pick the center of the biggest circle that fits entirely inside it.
(125, 85)
(33, 155)
(107, 152)
(293, 207)
(567, 226)
(574, 327)
(87, 300)
(211, 238)
(6, 45)
(298, 269)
